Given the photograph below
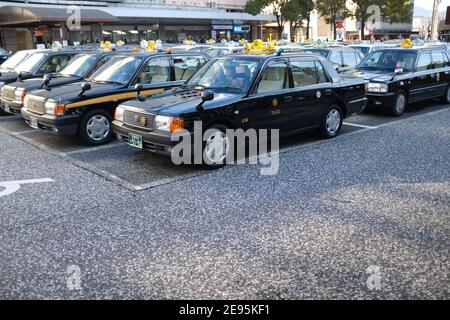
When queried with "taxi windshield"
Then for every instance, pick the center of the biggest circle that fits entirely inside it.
(389, 59)
(29, 63)
(234, 74)
(14, 60)
(79, 65)
(118, 70)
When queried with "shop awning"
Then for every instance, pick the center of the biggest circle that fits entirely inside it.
(17, 15)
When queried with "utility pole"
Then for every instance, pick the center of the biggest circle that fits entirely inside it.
(435, 20)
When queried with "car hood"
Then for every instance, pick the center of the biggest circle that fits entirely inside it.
(183, 102)
(70, 92)
(35, 84)
(8, 77)
(373, 75)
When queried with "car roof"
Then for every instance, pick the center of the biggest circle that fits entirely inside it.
(266, 55)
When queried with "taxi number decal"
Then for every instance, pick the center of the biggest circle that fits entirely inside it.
(275, 112)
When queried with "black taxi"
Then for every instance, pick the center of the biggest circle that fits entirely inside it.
(81, 66)
(401, 75)
(290, 92)
(87, 108)
(37, 63)
(342, 58)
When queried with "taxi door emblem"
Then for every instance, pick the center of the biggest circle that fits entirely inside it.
(275, 102)
(318, 94)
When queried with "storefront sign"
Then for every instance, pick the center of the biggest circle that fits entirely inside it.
(222, 27)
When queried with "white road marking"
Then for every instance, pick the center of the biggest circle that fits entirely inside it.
(89, 149)
(13, 186)
(359, 125)
(24, 132)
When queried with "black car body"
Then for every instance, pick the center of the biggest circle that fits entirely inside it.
(37, 64)
(289, 92)
(84, 108)
(342, 58)
(399, 76)
(4, 55)
(81, 66)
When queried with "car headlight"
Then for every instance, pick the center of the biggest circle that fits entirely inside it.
(169, 124)
(377, 87)
(118, 115)
(54, 108)
(25, 101)
(19, 95)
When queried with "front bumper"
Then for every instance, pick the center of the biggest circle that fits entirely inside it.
(154, 141)
(380, 100)
(11, 106)
(64, 125)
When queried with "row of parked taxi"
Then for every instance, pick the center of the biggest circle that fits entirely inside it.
(143, 98)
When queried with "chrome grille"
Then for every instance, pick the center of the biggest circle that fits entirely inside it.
(8, 94)
(36, 106)
(135, 119)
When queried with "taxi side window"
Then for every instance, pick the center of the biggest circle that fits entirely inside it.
(424, 62)
(99, 64)
(321, 74)
(349, 59)
(335, 59)
(54, 64)
(157, 70)
(303, 72)
(186, 66)
(438, 59)
(275, 77)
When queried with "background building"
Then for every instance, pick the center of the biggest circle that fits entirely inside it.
(27, 23)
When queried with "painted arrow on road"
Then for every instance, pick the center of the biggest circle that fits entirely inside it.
(13, 186)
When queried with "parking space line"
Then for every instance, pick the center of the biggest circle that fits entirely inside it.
(359, 125)
(24, 132)
(90, 149)
(140, 187)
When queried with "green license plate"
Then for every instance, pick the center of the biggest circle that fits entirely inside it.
(135, 140)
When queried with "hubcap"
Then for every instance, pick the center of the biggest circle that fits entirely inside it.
(400, 105)
(98, 127)
(217, 147)
(333, 121)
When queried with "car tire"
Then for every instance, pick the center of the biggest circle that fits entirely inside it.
(446, 98)
(399, 106)
(217, 140)
(331, 122)
(96, 127)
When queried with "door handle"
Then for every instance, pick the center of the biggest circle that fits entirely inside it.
(328, 91)
(287, 98)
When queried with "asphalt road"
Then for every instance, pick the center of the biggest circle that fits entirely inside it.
(365, 215)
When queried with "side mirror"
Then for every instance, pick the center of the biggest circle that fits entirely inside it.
(85, 86)
(139, 87)
(398, 70)
(20, 76)
(207, 96)
(46, 81)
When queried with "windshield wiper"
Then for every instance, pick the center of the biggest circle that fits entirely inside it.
(225, 88)
(108, 81)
